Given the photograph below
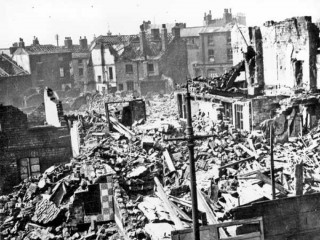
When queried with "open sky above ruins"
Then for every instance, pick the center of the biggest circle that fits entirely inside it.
(75, 18)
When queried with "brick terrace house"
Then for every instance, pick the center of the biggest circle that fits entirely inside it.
(104, 49)
(48, 65)
(81, 73)
(14, 80)
(29, 148)
(277, 60)
(152, 62)
(209, 46)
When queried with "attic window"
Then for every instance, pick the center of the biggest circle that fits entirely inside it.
(129, 68)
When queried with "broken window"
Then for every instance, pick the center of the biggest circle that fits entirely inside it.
(61, 72)
(211, 55)
(298, 71)
(29, 167)
(150, 68)
(210, 40)
(129, 68)
(238, 110)
(228, 111)
(130, 86)
(110, 73)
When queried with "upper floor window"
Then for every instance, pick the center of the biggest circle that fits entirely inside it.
(229, 54)
(99, 78)
(211, 55)
(60, 58)
(229, 39)
(129, 68)
(210, 40)
(110, 73)
(80, 62)
(150, 67)
(61, 72)
(80, 72)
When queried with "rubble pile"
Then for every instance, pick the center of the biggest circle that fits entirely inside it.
(132, 184)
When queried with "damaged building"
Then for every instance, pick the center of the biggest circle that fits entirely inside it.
(153, 62)
(209, 46)
(48, 65)
(270, 64)
(14, 80)
(28, 146)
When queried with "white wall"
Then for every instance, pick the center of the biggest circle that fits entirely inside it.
(23, 61)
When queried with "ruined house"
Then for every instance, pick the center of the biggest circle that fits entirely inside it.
(104, 49)
(29, 149)
(48, 65)
(14, 80)
(271, 63)
(153, 62)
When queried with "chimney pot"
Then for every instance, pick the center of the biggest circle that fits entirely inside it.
(68, 42)
(21, 43)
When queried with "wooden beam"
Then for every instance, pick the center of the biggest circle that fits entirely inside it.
(247, 150)
(235, 163)
(267, 180)
(168, 160)
(163, 196)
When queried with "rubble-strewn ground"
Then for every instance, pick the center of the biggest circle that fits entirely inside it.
(232, 169)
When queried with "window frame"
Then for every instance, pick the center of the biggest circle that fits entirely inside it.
(211, 55)
(149, 66)
(210, 40)
(129, 69)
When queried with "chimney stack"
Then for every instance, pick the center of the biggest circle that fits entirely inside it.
(68, 42)
(142, 40)
(35, 41)
(164, 37)
(176, 31)
(21, 43)
(83, 43)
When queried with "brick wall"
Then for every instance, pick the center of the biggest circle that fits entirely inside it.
(45, 70)
(12, 89)
(51, 145)
(220, 47)
(123, 77)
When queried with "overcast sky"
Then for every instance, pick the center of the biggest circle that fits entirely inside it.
(75, 18)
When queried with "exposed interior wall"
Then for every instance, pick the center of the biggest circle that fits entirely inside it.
(288, 53)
